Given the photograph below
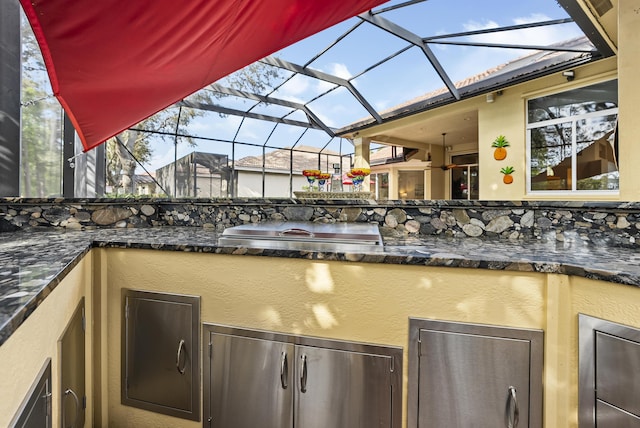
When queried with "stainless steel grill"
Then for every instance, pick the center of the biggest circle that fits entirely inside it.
(334, 237)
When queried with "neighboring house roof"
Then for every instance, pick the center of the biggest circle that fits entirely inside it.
(143, 179)
(508, 74)
(304, 157)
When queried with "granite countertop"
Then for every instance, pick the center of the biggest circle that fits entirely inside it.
(33, 263)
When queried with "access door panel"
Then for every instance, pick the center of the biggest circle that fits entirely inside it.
(341, 389)
(251, 382)
(471, 381)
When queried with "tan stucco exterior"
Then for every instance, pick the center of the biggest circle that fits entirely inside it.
(506, 115)
(367, 303)
(24, 353)
(338, 300)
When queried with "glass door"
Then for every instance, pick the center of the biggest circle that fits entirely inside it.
(464, 177)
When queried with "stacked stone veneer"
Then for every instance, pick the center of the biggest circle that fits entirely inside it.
(604, 223)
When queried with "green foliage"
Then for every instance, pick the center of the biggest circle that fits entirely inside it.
(41, 127)
(254, 78)
(501, 141)
(507, 170)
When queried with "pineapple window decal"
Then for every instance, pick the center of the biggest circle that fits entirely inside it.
(507, 171)
(500, 144)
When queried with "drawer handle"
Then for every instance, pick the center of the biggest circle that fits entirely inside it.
(77, 401)
(284, 370)
(303, 375)
(184, 367)
(513, 412)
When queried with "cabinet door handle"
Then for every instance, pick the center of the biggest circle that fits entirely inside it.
(68, 392)
(513, 412)
(184, 367)
(303, 374)
(284, 370)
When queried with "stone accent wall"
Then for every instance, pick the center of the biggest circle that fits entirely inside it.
(615, 224)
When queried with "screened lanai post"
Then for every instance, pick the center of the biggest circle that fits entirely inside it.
(9, 98)
(362, 150)
(175, 154)
(68, 156)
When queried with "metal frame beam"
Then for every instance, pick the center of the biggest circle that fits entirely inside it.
(313, 119)
(286, 65)
(234, 112)
(588, 27)
(508, 46)
(416, 40)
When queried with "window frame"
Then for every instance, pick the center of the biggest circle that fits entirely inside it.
(574, 121)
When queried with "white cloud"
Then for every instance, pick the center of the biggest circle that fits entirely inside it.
(340, 70)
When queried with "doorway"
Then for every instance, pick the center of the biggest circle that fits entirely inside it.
(464, 176)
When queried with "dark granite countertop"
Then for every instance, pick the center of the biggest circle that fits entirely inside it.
(33, 263)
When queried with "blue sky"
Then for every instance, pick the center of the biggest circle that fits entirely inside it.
(405, 77)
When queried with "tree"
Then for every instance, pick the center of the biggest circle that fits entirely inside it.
(121, 165)
(41, 127)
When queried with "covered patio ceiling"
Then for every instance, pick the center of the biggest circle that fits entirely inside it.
(404, 57)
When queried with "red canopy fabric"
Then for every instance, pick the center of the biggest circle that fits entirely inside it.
(113, 63)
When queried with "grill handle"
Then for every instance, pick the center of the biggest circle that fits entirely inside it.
(296, 231)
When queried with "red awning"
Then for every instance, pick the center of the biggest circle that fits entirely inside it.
(113, 63)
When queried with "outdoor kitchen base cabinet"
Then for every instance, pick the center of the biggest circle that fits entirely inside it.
(160, 353)
(271, 380)
(609, 374)
(469, 375)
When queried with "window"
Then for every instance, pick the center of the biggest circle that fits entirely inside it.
(380, 185)
(572, 141)
(411, 184)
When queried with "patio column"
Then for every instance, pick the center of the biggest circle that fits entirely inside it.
(362, 154)
(628, 99)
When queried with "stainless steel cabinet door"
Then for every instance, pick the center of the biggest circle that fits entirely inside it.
(618, 372)
(35, 411)
(341, 389)
(251, 382)
(72, 384)
(608, 416)
(469, 381)
(160, 360)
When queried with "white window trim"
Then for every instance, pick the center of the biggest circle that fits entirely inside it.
(573, 120)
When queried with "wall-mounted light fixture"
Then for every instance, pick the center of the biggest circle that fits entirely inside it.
(569, 74)
(490, 97)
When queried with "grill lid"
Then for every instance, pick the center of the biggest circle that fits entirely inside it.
(351, 237)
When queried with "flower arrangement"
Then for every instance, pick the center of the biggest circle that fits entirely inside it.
(322, 179)
(315, 174)
(357, 176)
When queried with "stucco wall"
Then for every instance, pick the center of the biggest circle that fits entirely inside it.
(507, 116)
(24, 353)
(629, 98)
(350, 301)
(368, 303)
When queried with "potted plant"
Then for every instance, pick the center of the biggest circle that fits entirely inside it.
(500, 144)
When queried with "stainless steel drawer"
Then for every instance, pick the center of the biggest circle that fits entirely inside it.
(618, 372)
(608, 416)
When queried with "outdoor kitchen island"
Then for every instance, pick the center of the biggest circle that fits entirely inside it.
(427, 270)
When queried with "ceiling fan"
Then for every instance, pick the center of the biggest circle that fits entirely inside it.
(445, 167)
